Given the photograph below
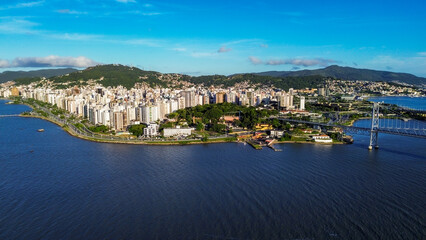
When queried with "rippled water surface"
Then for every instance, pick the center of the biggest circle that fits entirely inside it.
(54, 186)
(408, 102)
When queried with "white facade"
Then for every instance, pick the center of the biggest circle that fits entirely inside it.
(172, 132)
(151, 130)
(149, 114)
(322, 139)
(302, 103)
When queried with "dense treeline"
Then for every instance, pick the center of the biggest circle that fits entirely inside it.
(26, 80)
(13, 75)
(113, 75)
(210, 116)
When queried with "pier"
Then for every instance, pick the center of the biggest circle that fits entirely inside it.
(10, 115)
(271, 146)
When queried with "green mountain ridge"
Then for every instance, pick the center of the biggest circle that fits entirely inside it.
(113, 75)
(349, 73)
(47, 73)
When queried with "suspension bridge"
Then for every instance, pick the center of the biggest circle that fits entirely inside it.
(404, 127)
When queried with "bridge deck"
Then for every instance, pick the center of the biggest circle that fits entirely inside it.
(409, 132)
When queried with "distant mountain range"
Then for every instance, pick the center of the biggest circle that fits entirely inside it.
(348, 73)
(114, 75)
(12, 75)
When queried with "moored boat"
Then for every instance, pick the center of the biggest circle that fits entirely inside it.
(348, 139)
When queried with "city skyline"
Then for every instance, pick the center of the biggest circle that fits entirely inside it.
(199, 38)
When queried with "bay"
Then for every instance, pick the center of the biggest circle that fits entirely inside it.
(55, 186)
(418, 103)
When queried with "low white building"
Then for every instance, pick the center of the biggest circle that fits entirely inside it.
(151, 130)
(322, 139)
(277, 133)
(178, 131)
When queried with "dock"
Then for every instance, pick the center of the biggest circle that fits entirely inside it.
(255, 145)
(275, 149)
(271, 146)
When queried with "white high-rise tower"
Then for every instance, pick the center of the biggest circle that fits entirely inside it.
(302, 103)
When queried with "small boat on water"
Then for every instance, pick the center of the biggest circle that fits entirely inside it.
(348, 139)
(40, 130)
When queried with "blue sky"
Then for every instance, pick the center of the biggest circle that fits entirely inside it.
(214, 37)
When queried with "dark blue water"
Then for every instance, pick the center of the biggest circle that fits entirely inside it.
(418, 103)
(55, 186)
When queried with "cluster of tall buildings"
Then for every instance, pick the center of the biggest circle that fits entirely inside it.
(119, 107)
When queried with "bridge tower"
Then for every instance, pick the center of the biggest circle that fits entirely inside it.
(374, 132)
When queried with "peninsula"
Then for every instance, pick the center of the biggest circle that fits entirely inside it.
(120, 104)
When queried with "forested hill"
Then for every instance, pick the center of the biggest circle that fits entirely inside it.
(348, 73)
(108, 75)
(12, 75)
(278, 82)
(112, 75)
(115, 75)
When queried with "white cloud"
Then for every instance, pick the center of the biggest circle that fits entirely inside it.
(179, 49)
(302, 62)
(137, 12)
(71, 12)
(224, 50)
(49, 61)
(30, 4)
(17, 26)
(264, 45)
(10, 25)
(126, 1)
(23, 5)
(255, 60)
(74, 36)
(422, 54)
(294, 61)
(4, 63)
(141, 41)
(150, 13)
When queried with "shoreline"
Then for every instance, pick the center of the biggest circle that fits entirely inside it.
(158, 143)
(180, 142)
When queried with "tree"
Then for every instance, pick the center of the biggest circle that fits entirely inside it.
(99, 128)
(214, 115)
(276, 123)
(285, 137)
(137, 130)
(173, 115)
(200, 127)
(220, 128)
